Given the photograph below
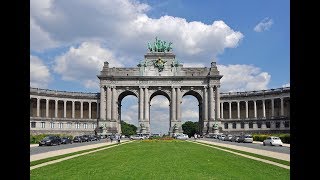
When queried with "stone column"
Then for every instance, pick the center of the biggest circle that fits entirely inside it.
(140, 104)
(73, 107)
(263, 108)
(47, 107)
(56, 108)
(114, 104)
(222, 110)
(272, 108)
(109, 99)
(81, 109)
(178, 104)
(90, 109)
(173, 104)
(64, 108)
(255, 108)
(217, 103)
(38, 107)
(247, 111)
(205, 104)
(211, 107)
(238, 109)
(281, 107)
(230, 114)
(102, 103)
(146, 104)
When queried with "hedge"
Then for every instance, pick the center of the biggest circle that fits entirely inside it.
(285, 138)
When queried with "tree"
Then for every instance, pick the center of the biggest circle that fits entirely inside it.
(190, 128)
(128, 129)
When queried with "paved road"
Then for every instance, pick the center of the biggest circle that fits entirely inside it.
(280, 149)
(43, 149)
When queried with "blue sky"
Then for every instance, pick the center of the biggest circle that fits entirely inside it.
(70, 40)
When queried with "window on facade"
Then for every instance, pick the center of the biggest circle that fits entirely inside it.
(251, 125)
(60, 125)
(94, 125)
(69, 125)
(277, 124)
(43, 124)
(286, 124)
(242, 125)
(268, 124)
(85, 125)
(33, 124)
(51, 124)
(259, 124)
(234, 125)
(226, 125)
(77, 125)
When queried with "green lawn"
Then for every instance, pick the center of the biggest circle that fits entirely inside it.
(160, 160)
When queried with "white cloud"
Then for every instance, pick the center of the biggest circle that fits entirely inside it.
(263, 25)
(39, 73)
(242, 78)
(125, 28)
(83, 63)
(286, 85)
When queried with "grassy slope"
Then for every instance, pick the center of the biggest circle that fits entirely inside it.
(160, 160)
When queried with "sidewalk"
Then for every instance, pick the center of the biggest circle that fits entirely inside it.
(272, 154)
(69, 150)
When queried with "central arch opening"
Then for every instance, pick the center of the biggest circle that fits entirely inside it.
(191, 109)
(159, 113)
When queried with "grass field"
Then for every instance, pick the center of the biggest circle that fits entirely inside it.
(160, 160)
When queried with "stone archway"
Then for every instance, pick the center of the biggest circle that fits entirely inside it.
(159, 73)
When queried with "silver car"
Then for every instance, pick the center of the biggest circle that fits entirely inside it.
(247, 138)
(137, 137)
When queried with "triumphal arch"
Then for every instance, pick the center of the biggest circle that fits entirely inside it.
(159, 73)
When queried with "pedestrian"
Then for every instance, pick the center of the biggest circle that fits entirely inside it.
(118, 139)
(111, 138)
(195, 136)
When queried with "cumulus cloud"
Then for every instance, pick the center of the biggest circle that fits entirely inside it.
(39, 73)
(286, 85)
(126, 28)
(83, 63)
(263, 25)
(242, 78)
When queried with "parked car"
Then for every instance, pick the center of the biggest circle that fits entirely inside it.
(86, 138)
(221, 137)
(246, 138)
(50, 141)
(66, 140)
(182, 136)
(228, 137)
(272, 141)
(137, 137)
(78, 139)
(235, 138)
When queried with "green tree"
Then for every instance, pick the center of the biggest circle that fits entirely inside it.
(190, 128)
(128, 129)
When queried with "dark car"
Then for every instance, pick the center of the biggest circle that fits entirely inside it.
(86, 138)
(78, 139)
(50, 141)
(66, 140)
(235, 138)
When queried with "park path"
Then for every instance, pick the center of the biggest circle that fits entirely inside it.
(76, 155)
(281, 156)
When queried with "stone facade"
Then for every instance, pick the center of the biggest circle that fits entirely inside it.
(159, 74)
